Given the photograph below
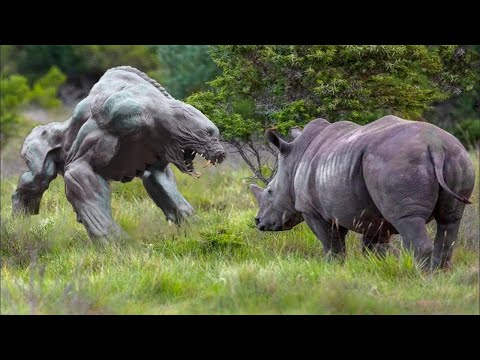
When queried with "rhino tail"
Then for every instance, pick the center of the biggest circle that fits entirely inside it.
(438, 159)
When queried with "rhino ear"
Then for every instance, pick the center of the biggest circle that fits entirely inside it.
(274, 139)
(257, 192)
(295, 132)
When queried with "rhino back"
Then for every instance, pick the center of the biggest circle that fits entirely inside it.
(350, 171)
(330, 176)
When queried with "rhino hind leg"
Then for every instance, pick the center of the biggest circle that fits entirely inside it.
(32, 184)
(448, 214)
(444, 241)
(331, 235)
(413, 231)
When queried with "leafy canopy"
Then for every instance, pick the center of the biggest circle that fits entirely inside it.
(184, 69)
(282, 86)
(16, 92)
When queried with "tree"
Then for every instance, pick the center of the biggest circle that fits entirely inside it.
(99, 58)
(82, 64)
(15, 92)
(184, 69)
(33, 61)
(284, 86)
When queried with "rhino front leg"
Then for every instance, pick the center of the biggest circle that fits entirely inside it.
(89, 194)
(331, 236)
(159, 181)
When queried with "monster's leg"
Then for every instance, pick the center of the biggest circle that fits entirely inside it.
(89, 194)
(331, 236)
(159, 181)
(32, 184)
(87, 191)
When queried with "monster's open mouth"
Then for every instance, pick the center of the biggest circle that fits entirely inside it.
(189, 156)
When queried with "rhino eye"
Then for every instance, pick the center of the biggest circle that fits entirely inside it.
(269, 191)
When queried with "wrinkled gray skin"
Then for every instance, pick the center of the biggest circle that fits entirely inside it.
(127, 127)
(390, 176)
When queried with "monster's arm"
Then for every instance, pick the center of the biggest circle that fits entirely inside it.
(33, 183)
(159, 181)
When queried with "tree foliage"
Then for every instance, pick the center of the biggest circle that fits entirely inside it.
(184, 69)
(460, 115)
(15, 92)
(82, 64)
(284, 86)
(91, 61)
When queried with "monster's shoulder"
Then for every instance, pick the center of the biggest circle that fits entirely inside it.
(43, 139)
(126, 111)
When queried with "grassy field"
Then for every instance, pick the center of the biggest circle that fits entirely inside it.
(218, 264)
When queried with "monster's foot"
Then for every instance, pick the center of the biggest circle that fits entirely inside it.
(100, 226)
(159, 181)
(179, 215)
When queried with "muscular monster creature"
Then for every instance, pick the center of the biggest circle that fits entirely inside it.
(128, 126)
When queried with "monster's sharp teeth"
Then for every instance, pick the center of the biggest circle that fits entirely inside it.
(182, 150)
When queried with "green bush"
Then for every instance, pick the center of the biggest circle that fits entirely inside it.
(44, 90)
(16, 93)
(291, 85)
(459, 115)
(75, 61)
(96, 59)
(468, 132)
(184, 69)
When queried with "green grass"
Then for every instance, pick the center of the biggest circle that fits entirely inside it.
(218, 264)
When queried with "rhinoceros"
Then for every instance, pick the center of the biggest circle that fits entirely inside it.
(392, 176)
(128, 126)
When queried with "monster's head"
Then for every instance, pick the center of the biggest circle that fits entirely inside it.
(191, 133)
